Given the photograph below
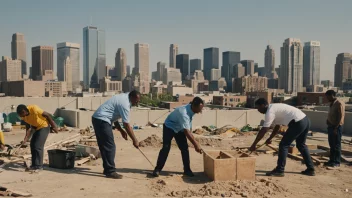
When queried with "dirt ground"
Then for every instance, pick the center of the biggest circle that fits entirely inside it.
(88, 181)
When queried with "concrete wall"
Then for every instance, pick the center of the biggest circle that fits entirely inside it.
(50, 104)
(318, 121)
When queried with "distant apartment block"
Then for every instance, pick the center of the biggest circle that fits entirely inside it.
(172, 75)
(10, 70)
(215, 74)
(229, 100)
(250, 84)
(23, 88)
(238, 71)
(248, 66)
(56, 89)
(108, 85)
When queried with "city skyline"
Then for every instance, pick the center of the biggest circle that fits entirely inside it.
(248, 40)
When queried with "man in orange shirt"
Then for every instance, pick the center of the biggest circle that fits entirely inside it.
(40, 121)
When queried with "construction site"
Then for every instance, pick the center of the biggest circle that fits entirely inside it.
(225, 169)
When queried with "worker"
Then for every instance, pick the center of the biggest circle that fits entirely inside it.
(178, 125)
(298, 126)
(40, 121)
(118, 106)
(2, 141)
(335, 121)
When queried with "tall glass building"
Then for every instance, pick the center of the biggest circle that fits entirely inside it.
(210, 61)
(68, 50)
(94, 56)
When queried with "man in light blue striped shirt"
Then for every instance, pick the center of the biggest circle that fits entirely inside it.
(178, 125)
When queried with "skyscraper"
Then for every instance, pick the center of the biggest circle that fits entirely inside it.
(120, 64)
(10, 70)
(172, 75)
(215, 74)
(248, 66)
(229, 60)
(173, 54)
(311, 63)
(18, 50)
(141, 60)
(68, 53)
(195, 64)
(182, 63)
(343, 69)
(210, 60)
(291, 67)
(160, 68)
(42, 60)
(269, 61)
(94, 56)
(128, 69)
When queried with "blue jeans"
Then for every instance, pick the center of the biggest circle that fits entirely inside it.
(296, 131)
(106, 143)
(335, 144)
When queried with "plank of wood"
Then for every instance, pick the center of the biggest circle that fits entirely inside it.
(270, 152)
(82, 161)
(59, 142)
(20, 194)
(89, 140)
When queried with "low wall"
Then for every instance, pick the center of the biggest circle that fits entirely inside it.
(318, 121)
(218, 118)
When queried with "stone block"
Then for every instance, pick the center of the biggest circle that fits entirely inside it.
(229, 165)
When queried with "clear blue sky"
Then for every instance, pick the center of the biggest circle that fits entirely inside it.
(245, 26)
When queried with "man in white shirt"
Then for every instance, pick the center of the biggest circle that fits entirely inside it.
(298, 127)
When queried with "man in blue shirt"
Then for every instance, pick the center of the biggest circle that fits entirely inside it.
(178, 124)
(118, 106)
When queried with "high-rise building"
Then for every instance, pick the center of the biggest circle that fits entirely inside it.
(94, 56)
(160, 68)
(238, 71)
(229, 60)
(10, 70)
(248, 66)
(215, 74)
(269, 61)
(141, 60)
(128, 69)
(343, 69)
(42, 60)
(18, 50)
(120, 64)
(195, 64)
(173, 54)
(291, 67)
(210, 61)
(172, 75)
(154, 75)
(311, 63)
(182, 63)
(56, 89)
(68, 67)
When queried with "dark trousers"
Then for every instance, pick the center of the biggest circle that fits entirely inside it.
(296, 131)
(106, 143)
(37, 146)
(335, 144)
(181, 140)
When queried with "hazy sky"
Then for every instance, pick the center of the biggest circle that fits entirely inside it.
(245, 26)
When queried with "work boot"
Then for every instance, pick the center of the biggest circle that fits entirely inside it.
(329, 163)
(188, 173)
(275, 173)
(34, 169)
(333, 166)
(114, 175)
(156, 173)
(309, 172)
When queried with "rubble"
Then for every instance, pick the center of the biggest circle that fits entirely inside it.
(152, 141)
